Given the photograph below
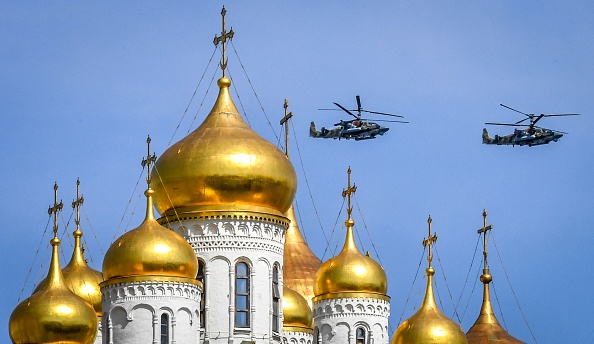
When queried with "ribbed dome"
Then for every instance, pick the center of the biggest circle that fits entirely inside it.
(223, 165)
(296, 312)
(150, 249)
(350, 271)
(487, 329)
(301, 264)
(80, 278)
(53, 314)
(429, 325)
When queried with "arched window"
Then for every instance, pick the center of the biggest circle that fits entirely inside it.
(361, 336)
(164, 329)
(275, 300)
(242, 295)
(200, 277)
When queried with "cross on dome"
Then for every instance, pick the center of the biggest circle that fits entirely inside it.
(430, 241)
(348, 192)
(223, 40)
(53, 210)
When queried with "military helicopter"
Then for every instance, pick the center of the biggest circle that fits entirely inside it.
(531, 136)
(357, 128)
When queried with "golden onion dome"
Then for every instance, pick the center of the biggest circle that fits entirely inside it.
(429, 325)
(53, 314)
(80, 278)
(223, 165)
(150, 250)
(301, 264)
(487, 329)
(350, 271)
(297, 316)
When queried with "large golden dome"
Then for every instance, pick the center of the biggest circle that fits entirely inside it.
(296, 312)
(80, 278)
(150, 249)
(223, 165)
(53, 314)
(301, 264)
(350, 271)
(429, 325)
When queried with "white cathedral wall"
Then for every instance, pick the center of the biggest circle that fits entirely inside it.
(132, 312)
(337, 320)
(221, 243)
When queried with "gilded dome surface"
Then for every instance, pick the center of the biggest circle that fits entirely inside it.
(296, 312)
(429, 325)
(487, 329)
(53, 314)
(301, 264)
(223, 165)
(80, 278)
(351, 271)
(150, 249)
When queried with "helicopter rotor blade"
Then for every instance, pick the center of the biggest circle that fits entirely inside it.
(505, 106)
(347, 111)
(390, 120)
(508, 124)
(520, 121)
(382, 113)
(560, 114)
(359, 103)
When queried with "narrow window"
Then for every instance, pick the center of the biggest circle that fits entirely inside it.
(164, 329)
(200, 277)
(361, 336)
(242, 295)
(275, 300)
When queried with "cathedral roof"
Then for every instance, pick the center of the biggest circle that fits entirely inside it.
(296, 312)
(223, 166)
(429, 325)
(301, 264)
(53, 314)
(350, 271)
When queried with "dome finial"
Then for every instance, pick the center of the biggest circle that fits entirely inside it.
(348, 192)
(53, 210)
(150, 159)
(223, 40)
(285, 121)
(430, 241)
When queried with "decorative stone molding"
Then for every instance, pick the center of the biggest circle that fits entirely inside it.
(297, 338)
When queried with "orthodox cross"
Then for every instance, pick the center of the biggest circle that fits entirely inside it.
(348, 192)
(53, 210)
(148, 161)
(430, 241)
(77, 203)
(484, 231)
(223, 40)
(285, 121)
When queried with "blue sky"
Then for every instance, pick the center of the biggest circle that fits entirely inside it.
(84, 83)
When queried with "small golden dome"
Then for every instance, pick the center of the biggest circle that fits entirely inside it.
(296, 312)
(350, 271)
(301, 264)
(53, 314)
(487, 329)
(429, 325)
(223, 165)
(80, 278)
(150, 249)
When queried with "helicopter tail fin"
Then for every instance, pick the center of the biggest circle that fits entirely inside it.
(486, 139)
(312, 130)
